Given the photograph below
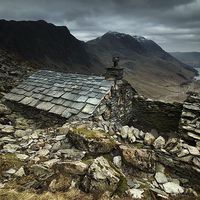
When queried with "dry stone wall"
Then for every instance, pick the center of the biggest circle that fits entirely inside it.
(190, 118)
(149, 114)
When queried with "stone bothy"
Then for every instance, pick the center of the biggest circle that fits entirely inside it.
(75, 96)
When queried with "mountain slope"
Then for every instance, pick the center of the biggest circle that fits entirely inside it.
(49, 45)
(151, 70)
(189, 58)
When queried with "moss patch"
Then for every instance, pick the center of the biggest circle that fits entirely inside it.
(89, 134)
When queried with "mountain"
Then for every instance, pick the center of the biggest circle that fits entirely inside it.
(151, 70)
(189, 58)
(50, 46)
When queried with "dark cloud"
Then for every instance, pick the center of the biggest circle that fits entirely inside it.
(174, 24)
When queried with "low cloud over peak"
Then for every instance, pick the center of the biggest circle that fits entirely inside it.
(174, 24)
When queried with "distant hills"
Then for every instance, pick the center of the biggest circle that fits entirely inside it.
(189, 58)
(152, 71)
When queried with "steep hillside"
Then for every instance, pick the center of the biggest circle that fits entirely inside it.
(49, 45)
(189, 58)
(151, 70)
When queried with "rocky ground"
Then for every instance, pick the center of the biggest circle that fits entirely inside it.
(93, 160)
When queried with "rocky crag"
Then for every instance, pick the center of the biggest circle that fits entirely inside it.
(93, 160)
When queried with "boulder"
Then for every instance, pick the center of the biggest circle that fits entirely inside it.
(159, 143)
(92, 141)
(101, 177)
(149, 139)
(143, 159)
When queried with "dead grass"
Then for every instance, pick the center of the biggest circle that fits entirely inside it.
(73, 194)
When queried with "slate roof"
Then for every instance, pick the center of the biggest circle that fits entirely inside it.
(62, 94)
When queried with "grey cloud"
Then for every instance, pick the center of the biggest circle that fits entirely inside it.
(171, 23)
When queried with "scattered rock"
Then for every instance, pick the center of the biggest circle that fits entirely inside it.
(159, 143)
(11, 148)
(149, 139)
(136, 193)
(117, 160)
(20, 133)
(101, 177)
(160, 178)
(20, 172)
(173, 188)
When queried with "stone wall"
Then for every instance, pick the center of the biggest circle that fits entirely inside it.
(117, 105)
(149, 114)
(190, 118)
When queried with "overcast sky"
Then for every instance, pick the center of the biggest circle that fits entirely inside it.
(173, 24)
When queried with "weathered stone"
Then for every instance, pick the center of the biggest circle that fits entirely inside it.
(172, 188)
(117, 160)
(39, 170)
(71, 167)
(50, 163)
(11, 148)
(149, 139)
(71, 154)
(136, 193)
(20, 172)
(196, 161)
(60, 137)
(4, 110)
(91, 141)
(20, 133)
(22, 156)
(124, 132)
(101, 177)
(8, 129)
(159, 142)
(60, 184)
(142, 159)
(193, 150)
(43, 152)
(160, 177)
(10, 171)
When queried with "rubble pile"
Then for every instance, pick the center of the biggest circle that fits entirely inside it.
(101, 159)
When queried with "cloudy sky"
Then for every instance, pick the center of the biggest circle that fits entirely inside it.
(173, 24)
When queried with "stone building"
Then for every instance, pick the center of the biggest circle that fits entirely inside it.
(76, 95)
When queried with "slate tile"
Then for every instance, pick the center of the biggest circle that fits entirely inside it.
(93, 101)
(66, 114)
(83, 115)
(57, 109)
(89, 109)
(14, 97)
(73, 111)
(38, 96)
(70, 96)
(82, 99)
(92, 94)
(34, 102)
(45, 106)
(58, 101)
(47, 98)
(67, 103)
(77, 105)
(55, 93)
(18, 91)
(26, 100)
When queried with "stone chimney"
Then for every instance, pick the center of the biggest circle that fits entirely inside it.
(115, 72)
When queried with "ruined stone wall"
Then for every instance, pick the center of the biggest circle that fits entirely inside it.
(190, 118)
(117, 105)
(149, 114)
